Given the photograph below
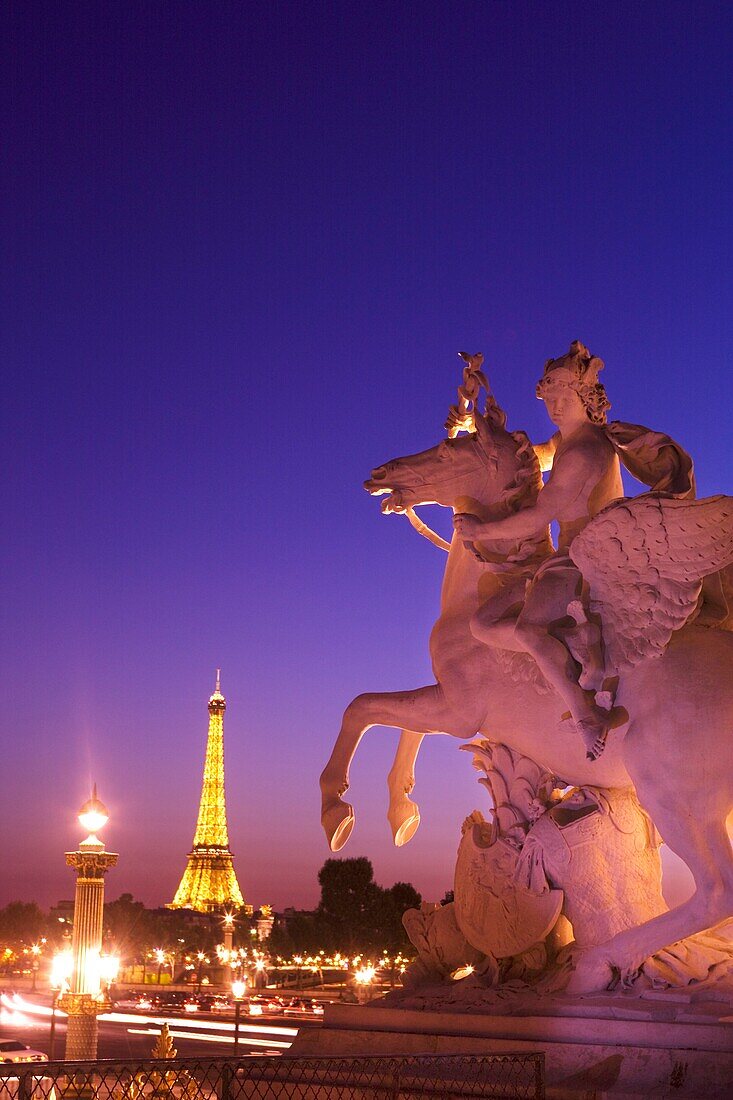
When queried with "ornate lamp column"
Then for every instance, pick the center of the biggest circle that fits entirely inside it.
(85, 998)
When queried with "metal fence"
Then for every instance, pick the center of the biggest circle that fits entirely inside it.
(499, 1076)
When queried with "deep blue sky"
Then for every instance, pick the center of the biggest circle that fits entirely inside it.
(241, 246)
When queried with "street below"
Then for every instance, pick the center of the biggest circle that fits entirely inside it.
(132, 1034)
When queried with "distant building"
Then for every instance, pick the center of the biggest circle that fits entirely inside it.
(63, 912)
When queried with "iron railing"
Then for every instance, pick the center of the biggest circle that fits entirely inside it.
(503, 1076)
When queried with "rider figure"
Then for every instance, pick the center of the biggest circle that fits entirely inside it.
(585, 476)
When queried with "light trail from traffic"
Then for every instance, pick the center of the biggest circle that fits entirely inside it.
(278, 1037)
(269, 1043)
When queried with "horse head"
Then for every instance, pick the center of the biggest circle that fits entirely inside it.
(491, 467)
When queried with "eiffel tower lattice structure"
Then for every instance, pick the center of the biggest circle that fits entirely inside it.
(209, 882)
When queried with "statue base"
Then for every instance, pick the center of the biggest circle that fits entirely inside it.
(594, 1047)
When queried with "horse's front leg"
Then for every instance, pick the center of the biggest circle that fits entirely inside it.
(404, 814)
(424, 710)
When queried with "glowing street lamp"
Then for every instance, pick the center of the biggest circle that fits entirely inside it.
(161, 958)
(84, 997)
(239, 990)
(363, 977)
(201, 957)
(109, 968)
(35, 952)
(93, 816)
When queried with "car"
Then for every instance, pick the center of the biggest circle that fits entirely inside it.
(13, 1051)
(260, 1005)
(140, 1003)
(303, 1006)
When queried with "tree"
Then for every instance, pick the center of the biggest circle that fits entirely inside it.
(22, 924)
(127, 924)
(355, 914)
(398, 899)
(299, 935)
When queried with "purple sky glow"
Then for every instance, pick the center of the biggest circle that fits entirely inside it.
(242, 244)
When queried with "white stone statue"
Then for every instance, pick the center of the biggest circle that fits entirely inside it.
(607, 660)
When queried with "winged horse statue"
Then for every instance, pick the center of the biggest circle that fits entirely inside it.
(652, 578)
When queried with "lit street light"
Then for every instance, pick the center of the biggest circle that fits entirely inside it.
(228, 925)
(363, 978)
(85, 996)
(35, 952)
(238, 991)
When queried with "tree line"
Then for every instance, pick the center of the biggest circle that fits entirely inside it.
(354, 915)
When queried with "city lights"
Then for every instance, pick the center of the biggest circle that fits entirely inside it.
(109, 968)
(365, 975)
(62, 966)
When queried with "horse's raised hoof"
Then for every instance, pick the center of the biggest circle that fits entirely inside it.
(592, 973)
(404, 820)
(338, 821)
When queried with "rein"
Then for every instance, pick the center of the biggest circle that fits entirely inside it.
(426, 532)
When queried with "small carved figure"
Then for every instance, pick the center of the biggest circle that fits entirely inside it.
(441, 946)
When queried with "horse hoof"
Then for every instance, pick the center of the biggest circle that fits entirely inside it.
(404, 820)
(591, 973)
(338, 821)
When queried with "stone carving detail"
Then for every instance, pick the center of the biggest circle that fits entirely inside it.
(627, 627)
(442, 947)
(92, 864)
(579, 844)
(495, 910)
(540, 882)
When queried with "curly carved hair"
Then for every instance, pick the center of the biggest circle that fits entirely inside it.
(585, 369)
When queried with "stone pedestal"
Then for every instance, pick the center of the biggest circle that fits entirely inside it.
(590, 1051)
(81, 1027)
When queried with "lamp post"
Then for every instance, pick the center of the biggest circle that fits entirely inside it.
(85, 998)
(238, 991)
(35, 952)
(52, 1033)
(199, 973)
(228, 925)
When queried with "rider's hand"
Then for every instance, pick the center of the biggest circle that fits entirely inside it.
(466, 525)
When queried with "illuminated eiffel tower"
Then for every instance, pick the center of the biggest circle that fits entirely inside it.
(209, 881)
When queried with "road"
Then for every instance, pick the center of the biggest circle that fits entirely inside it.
(132, 1034)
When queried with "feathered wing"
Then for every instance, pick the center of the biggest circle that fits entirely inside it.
(644, 559)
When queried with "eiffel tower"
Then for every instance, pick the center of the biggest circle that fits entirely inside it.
(209, 881)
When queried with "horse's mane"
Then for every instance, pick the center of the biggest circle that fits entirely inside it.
(527, 481)
(521, 491)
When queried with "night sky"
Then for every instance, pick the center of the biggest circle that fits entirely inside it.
(241, 246)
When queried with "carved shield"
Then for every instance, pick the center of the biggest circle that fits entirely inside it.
(496, 914)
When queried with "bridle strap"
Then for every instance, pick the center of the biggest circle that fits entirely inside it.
(425, 531)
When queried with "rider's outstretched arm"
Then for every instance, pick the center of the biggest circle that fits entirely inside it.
(566, 484)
